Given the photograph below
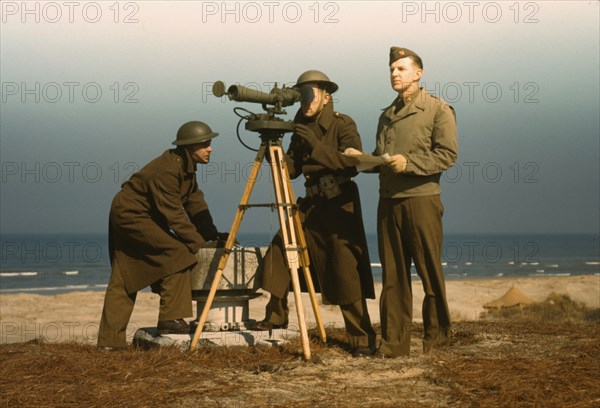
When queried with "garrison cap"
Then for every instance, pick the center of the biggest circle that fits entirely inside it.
(397, 52)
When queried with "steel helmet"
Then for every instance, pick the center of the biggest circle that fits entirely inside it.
(320, 78)
(193, 132)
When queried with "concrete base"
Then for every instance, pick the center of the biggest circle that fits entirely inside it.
(148, 337)
(240, 280)
(228, 311)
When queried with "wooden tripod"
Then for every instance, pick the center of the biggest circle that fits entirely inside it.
(293, 238)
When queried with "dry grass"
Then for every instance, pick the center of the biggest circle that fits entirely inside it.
(545, 355)
(542, 355)
(38, 374)
(556, 308)
(525, 364)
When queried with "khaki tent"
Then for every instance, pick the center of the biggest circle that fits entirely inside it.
(513, 297)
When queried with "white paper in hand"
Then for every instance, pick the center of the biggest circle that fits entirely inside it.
(366, 161)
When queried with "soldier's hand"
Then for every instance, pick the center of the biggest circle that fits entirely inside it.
(222, 236)
(351, 151)
(397, 163)
(222, 239)
(308, 135)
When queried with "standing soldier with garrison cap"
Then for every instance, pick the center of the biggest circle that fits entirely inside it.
(418, 132)
(158, 221)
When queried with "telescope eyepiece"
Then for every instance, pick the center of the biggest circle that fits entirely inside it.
(218, 89)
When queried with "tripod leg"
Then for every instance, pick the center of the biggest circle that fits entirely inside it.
(286, 219)
(229, 244)
(305, 261)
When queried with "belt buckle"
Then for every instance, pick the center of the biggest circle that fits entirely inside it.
(329, 186)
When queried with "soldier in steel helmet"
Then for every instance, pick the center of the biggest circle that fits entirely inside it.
(158, 221)
(330, 213)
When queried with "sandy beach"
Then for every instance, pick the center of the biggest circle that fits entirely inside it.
(75, 316)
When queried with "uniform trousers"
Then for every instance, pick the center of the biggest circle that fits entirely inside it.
(359, 331)
(175, 303)
(411, 229)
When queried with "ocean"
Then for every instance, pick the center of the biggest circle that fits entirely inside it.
(50, 264)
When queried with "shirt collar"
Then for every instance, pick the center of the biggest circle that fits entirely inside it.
(417, 100)
(418, 97)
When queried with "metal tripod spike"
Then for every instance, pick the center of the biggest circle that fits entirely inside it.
(293, 237)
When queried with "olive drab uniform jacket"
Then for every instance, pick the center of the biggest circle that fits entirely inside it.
(333, 226)
(428, 154)
(158, 221)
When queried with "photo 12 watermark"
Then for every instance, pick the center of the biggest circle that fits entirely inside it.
(270, 12)
(493, 172)
(20, 251)
(73, 172)
(452, 12)
(237, 172)
(53, 12)
(54, 332)
(70, 172)
(485, 92)
(69, 92)
(489, 251)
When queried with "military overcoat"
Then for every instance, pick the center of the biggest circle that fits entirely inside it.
(158, 221)
(333, 226)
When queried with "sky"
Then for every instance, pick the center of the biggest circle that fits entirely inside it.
(92, 91)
